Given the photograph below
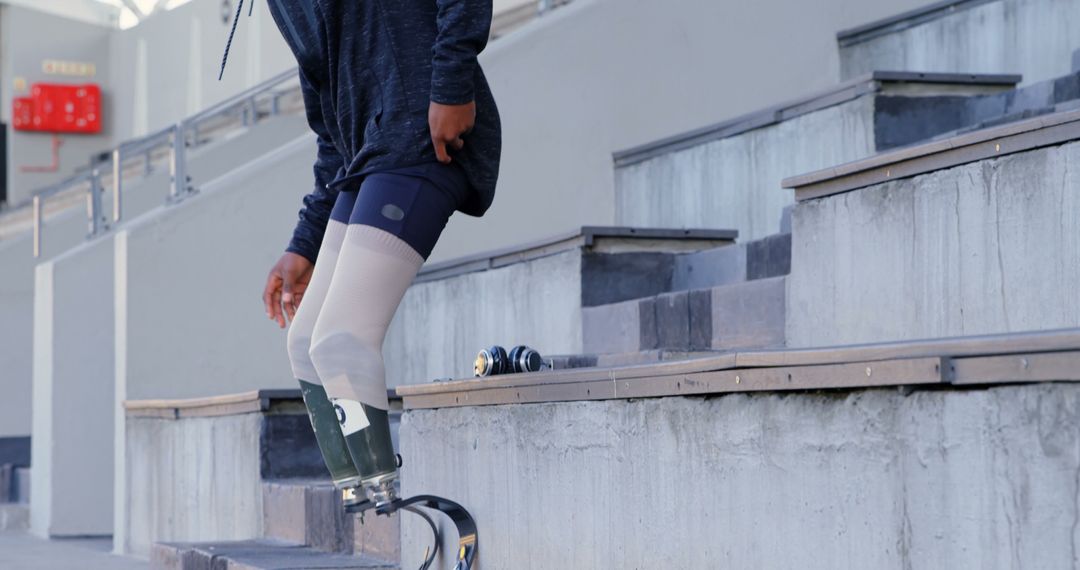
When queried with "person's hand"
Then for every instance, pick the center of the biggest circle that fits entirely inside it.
(448, 123)
(285, 286)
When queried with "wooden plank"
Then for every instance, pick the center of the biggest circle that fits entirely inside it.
(192, 402)
(573, 375)
(1037, 341)
(849, 375)
(1044, 367)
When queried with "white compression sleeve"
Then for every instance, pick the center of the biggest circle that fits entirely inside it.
(300, 329)
(373, 271)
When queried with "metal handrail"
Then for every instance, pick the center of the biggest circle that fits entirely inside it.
(174, 138)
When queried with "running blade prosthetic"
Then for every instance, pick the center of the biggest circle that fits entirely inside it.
(463, 521)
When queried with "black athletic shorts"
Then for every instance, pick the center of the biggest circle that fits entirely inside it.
(413, 203)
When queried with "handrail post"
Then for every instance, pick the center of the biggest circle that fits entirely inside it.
(37, 225)
(94, 205)
(178, 188)
(250, 112)
(118, 182)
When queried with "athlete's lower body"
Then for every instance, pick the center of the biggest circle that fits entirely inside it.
(376, 240)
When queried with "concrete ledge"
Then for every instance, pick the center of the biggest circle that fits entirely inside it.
(194, 470)
(941, 362)
(1017, 137)
(846, 91)
(904, 20)
(959, 478)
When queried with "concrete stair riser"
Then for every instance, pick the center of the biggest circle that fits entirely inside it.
(731, 178)
(201, 477)
(442, 323)
(310, 513)
(255, 555)
(980, 248)
(738, 315)
(1030, 37)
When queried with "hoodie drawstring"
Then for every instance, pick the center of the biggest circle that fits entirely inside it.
(228, 43)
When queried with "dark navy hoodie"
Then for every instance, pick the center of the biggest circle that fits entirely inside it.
(368, 72)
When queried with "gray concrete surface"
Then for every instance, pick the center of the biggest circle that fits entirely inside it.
(1032, 37)
(23, 551)
(257, 555)
(710, 267)
(190, 480)
(441, 325)
(733, 182)
(309, 512)
(986, 247)
(981, 479)
(748, 314)
(73, 395)
(14, 517)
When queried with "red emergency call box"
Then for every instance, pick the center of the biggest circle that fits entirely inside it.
(59, 109)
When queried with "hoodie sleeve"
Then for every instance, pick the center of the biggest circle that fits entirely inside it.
(464, 26)
(313, 217)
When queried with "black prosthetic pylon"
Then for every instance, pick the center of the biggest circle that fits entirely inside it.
(463, 521)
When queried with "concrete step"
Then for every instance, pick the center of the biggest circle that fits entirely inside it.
(14, 516)
(262, 554)
(530, 294)
(195, 468)
(739, 315)
(309, 512)
(976, 236)
(757, 259)
(703, 178)
(973, 36)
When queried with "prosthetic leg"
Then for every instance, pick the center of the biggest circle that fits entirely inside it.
(364, 467)
(336, 338)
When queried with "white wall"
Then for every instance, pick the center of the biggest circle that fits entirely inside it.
(72, 474)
